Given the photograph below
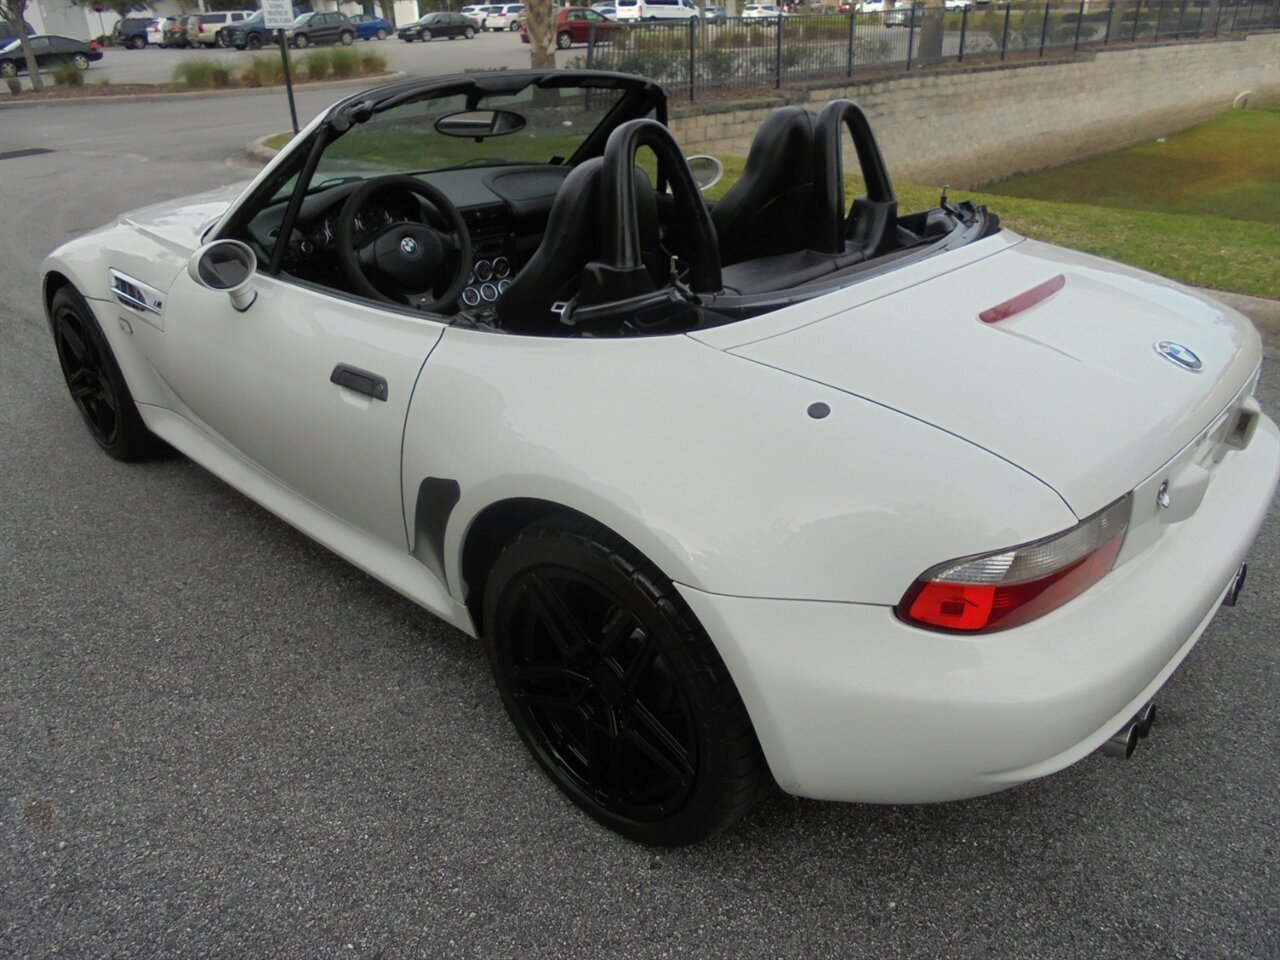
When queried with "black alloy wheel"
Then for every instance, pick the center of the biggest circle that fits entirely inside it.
(94, 380)
(253, 41)
(616, 689)
(301, 41)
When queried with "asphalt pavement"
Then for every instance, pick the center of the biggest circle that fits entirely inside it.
(218, 740)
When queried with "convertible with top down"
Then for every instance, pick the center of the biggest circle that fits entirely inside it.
(882, 506)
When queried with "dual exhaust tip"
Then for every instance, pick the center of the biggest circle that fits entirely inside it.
(1126, 740)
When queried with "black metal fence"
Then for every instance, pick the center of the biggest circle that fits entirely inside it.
(700, 56)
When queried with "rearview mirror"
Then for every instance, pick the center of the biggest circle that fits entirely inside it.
(706, 171)
(229, 266)
(480, 123)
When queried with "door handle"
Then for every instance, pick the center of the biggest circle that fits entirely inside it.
(361, 381)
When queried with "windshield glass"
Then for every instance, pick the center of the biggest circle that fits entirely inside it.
(404, 139)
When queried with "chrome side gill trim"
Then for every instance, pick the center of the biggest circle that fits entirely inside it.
(135, 294)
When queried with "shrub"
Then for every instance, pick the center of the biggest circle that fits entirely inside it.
(344, 63)
(202, 73)
(264, 70)
(372, 62)
(67, 74)
(313, 66)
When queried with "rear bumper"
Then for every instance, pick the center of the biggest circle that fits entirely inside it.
(852, 704)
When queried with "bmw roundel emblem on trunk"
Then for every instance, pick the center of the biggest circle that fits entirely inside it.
(410, 247)
(1176, 353)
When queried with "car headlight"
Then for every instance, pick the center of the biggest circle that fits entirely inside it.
(998, 590)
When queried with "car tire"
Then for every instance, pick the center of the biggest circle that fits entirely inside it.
(138, 43)
(468, 34)
(425, 36)
(564, 39)
(300, 41)
(253, 41)
(8, 69)
(382, 34)
(515, 25)
(80, 61)
(346, 38)
(616, 689)
(95, 382)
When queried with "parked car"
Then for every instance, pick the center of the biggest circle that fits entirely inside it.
(320, 28)
(48, 49)
(474, 12)
(369, 27)
(505, 16)
(442, 24)
(7, 33)
(202, 28)
(155, 30)
(656, 9)
(573, 25)
(904, 16)
(715, 14)
(922, 509)
(131, 33)
(762, 11)
(173, 33)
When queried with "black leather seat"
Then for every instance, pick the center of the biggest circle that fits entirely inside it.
(773, 208)
(574, 238)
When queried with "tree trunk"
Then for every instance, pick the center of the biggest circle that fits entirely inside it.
(932, 28)
(541, 18)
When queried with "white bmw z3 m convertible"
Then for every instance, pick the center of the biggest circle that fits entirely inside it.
(887, 507)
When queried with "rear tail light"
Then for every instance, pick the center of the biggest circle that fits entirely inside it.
(995, 591)
(93, 45)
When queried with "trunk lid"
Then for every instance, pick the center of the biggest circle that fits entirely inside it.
(1073, 389)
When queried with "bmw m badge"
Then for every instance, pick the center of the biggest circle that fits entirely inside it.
(1183, 357)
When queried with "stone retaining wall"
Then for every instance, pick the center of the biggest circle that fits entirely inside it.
(973, 125)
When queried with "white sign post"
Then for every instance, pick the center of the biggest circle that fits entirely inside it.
(277, 15)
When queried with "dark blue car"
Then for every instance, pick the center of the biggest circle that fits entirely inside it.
(369, 27)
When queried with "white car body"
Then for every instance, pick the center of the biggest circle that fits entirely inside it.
(769, 11)
(791, 538)
(656, 10)
(502, 17)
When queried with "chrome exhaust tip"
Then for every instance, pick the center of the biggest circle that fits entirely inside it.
(1232, 596)
(1125, 742)
(1144, 720)
(1122, 745)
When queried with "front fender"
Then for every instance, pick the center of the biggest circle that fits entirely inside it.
(711, 465)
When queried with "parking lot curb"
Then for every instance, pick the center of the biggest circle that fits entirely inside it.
(6, 104)
(1263, 312)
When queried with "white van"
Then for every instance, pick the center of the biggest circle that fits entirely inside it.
(656, 10)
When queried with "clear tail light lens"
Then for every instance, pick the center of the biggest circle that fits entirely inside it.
(995, 591)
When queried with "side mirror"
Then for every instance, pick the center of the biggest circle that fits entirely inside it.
(229, 266)
(706, 171)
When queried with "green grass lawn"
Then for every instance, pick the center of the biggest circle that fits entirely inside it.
(1202, 208)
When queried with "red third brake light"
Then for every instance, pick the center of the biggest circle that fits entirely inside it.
(995, 591)
(1023, 301)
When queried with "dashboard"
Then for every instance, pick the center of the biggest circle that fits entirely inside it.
(504, 206)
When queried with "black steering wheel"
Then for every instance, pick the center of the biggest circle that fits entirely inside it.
(403, 263)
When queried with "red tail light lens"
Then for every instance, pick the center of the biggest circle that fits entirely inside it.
(995, 591)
